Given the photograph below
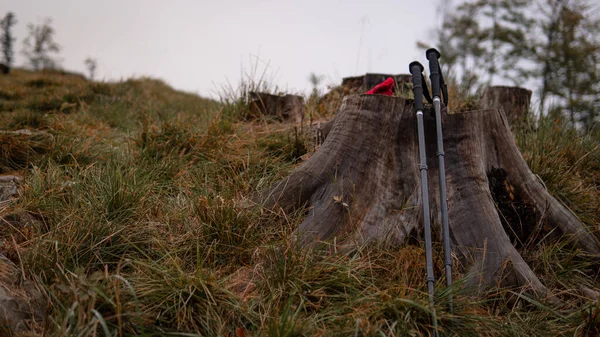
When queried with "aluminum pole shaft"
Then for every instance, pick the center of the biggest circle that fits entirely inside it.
(416, 69)
(436, 80)
(425, 194)
(443, 200)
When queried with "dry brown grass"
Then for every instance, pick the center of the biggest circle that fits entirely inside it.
(142, 227)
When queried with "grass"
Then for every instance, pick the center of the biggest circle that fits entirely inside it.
(141, 226)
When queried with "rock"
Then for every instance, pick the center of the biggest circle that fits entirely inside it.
(21, 304)
(20, 225)
(590, 293)
(8, 187)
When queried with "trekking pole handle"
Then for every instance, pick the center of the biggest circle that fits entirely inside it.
(433, 56)
(416, 70)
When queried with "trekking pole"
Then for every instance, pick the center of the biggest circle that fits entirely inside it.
(416, 70)
(437, 81)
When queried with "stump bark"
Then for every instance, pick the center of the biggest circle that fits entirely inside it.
(514, 101)
(363, 185)
(285, 108)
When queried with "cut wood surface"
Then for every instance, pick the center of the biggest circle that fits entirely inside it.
(363, 185)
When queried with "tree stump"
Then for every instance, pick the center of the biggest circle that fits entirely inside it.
(355, 85)
(4, 69)
(514, 101)
(367, 81)
(284, 108)
(363, 185)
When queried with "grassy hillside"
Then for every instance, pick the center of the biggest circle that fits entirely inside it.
(133, 219)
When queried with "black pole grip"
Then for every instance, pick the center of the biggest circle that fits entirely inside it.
(416, 70)
(426, 90)
(434, 69)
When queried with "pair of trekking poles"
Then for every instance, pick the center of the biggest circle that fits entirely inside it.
(438, 87)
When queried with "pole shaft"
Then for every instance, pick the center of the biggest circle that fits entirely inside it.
(443, 201)
(425, 195)
(436, 82)
(416, 69)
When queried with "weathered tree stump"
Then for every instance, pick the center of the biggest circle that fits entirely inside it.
(363, 185)
(285, 108)
(514, 101)
(331, 101)
(369, 80)
(4, 69)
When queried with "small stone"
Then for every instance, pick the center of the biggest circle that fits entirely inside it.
(9, 187)
(20, 302)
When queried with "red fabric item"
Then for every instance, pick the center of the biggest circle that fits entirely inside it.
(384, 88)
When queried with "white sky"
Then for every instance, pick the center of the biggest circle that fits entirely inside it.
(197, 46)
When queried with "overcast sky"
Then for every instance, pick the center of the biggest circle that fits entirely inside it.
(197, 46)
